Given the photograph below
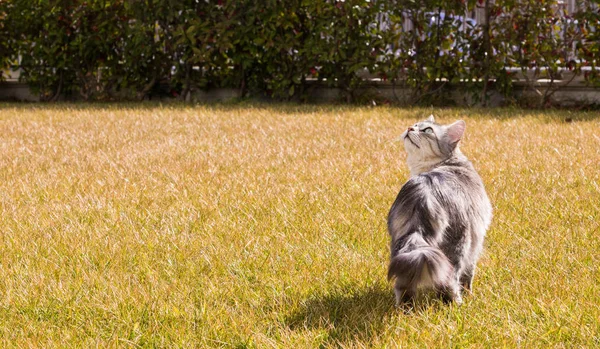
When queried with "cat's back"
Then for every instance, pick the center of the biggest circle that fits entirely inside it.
(444, 182)
(462, 188)
(458, 176)
(450, 192)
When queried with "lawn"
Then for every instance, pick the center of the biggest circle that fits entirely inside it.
(265, 226)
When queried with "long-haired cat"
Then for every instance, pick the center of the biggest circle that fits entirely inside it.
(438, 222)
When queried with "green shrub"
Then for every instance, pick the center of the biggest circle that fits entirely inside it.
(588, 48)
(5, 51)
(134, 49)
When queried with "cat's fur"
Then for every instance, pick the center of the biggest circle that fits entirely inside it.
(439, 219)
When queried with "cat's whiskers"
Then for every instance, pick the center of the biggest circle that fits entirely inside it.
(415, 139)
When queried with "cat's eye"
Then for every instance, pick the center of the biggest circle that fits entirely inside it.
(428, 130)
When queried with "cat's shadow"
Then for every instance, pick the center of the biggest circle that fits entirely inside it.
(354, 313)
(347, 315)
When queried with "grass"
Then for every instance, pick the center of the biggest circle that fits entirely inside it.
(265, 226)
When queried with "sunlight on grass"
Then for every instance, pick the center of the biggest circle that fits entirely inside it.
(265, 226)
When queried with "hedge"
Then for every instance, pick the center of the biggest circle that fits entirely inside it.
(133, 49)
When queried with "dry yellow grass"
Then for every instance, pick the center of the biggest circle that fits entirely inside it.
(264, 226)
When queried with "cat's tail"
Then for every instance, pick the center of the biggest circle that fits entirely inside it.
(423, 266)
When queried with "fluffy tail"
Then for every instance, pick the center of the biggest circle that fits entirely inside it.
(424, 266)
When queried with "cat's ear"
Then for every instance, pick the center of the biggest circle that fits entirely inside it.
(430, 119)
(456, 131)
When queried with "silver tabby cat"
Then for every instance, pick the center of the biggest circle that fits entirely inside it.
(439, 219)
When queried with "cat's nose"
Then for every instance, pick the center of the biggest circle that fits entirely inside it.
(410, 128)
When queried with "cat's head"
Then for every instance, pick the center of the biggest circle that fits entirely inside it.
(428, 143)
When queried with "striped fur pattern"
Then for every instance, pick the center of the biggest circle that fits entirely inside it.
(438, 221)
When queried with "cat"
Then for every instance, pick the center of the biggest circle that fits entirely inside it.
(439, 219)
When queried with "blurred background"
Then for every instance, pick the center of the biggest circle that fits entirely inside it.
(460, 52)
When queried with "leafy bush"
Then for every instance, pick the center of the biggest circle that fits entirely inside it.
(5, 51)
(433, 53)
(588, 48)
(538, 39)
(133, 49)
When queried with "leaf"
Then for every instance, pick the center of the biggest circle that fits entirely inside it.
(197, 51)
(191, 30)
